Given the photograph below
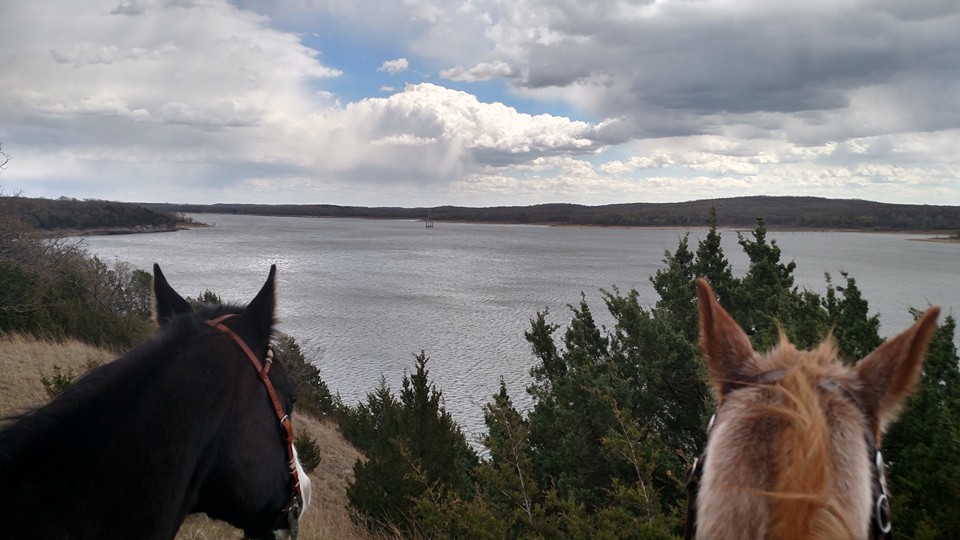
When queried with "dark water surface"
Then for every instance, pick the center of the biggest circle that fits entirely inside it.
(362, 297)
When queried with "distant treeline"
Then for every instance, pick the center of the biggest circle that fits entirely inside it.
(85, 215)
(738, 212)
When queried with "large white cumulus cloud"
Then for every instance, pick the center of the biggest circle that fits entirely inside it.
(204, 92)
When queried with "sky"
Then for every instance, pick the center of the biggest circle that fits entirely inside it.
(480, 102)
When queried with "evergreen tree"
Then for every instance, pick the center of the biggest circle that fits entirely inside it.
(506, 479)
(856, 331)
(762, 297)
(568, 420)
(923, 447)
(380, 491)
(432, 436)
(677, 299)
(413, 447)
(666, 385)
(711, 262)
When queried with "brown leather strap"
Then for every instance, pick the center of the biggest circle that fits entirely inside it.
(693, 488)
(262, 371)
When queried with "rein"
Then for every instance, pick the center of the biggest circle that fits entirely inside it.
(294, 506)
(881, 526)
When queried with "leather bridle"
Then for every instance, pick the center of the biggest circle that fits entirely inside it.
(881, 527)
(291, 510)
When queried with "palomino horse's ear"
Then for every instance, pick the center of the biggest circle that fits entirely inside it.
(257, 318)
(169, 303)
(726, 348)
(889, 374)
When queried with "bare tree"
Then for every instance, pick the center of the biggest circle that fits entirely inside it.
(4, 158)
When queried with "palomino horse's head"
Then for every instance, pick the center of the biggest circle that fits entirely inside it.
(792, 451)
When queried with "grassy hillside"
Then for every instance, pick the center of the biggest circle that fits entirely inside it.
(25, 360)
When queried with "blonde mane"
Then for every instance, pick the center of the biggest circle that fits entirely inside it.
(789, 454)
(802, 500)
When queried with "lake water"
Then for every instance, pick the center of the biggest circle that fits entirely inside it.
(362, 297)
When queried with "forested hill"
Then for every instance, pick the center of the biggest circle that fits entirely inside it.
(779, 212)
(88, 215)
(737, 212)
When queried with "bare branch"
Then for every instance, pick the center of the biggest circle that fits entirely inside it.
(4, 158)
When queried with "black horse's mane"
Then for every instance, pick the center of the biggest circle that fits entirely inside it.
(19, 432)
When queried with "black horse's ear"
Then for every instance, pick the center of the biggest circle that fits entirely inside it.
(169, 303)
(257, 318)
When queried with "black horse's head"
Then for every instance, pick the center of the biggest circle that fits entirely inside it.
(247, 478)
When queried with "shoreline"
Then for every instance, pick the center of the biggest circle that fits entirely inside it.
(112, 231)
(939, 239)
(181, 226)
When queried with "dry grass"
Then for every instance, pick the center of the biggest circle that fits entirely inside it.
(24, 360)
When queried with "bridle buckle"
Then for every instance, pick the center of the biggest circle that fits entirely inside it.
(293, 516)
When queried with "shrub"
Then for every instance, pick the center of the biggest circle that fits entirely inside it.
(58, 382)
(308, 451)
(314, 395)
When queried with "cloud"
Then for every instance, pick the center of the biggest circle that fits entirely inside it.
(149, 87)
(656, 161)
(404, 139)
(429, 134)
(222, 114)
(483, 71)
(101, 104)
(660, 100)
(683, 68)
(395, 67)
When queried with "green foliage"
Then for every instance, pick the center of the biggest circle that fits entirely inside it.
(53, 289)
(761, 299)
(923, 447)
(67, 213)
(207, 297)
(20, 298)
(506, 478)
(711, 263)
(61, 378)
(615, 416)
(314, 395)
(617, 413)
(856, 331)
(415, 454)
(125, 290)
(571, 414)
(308, 452)
(673, 285)
(56, 383)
